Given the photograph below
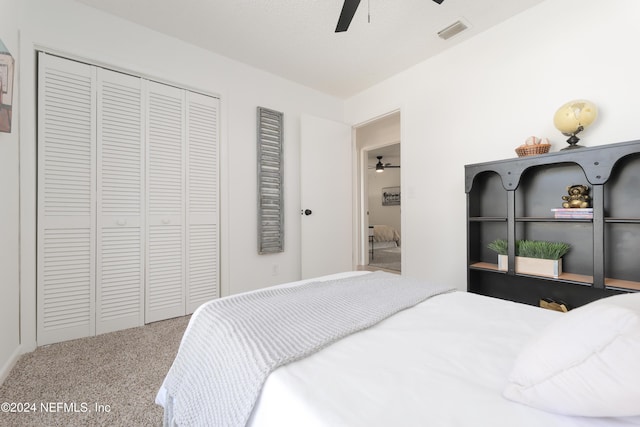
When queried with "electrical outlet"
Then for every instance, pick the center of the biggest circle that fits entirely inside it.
(274, 270)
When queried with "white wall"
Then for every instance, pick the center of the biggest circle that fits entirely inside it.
(73, 29)
(9, 218)
(484, 97)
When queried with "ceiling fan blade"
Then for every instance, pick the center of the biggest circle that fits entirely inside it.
(348, 10)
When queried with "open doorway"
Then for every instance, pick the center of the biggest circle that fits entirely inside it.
(380, 225)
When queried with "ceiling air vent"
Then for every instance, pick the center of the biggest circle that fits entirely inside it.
(453, 29)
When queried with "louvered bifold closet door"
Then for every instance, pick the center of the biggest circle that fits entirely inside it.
(66, 200)
(165, 183)
(120, 231)
(202, 200)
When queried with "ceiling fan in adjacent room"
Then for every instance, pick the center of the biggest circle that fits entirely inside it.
(380, 167)
(348, 10)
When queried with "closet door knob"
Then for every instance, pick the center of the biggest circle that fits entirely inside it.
(122, 222)
(166, 220)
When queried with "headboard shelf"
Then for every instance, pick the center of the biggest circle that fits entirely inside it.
(513, 199)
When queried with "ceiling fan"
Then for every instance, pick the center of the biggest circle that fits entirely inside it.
(380, 167)
(348, 10)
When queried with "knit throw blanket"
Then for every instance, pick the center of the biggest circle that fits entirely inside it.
(232, 344)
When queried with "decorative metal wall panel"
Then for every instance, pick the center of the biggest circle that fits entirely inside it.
(270, 173)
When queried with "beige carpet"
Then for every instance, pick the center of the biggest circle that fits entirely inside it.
(107, 380)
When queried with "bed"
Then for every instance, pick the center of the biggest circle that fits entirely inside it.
(384, 236)
(453, 359)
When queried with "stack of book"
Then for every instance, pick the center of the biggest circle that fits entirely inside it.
(575, 213)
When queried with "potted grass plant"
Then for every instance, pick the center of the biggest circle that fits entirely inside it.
(536, 257)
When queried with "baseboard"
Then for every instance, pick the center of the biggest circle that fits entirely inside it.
(9, 364)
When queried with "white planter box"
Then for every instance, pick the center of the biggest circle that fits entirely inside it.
(533, 266)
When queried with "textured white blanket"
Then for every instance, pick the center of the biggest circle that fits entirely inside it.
(234, 343)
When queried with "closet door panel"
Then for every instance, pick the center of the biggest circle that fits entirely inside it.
(165, 183)
(120, 235)
(66, 200)
(202, 200)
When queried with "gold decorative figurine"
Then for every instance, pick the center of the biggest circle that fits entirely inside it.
(578, 197)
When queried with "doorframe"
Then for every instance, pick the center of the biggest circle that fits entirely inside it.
(360, 182)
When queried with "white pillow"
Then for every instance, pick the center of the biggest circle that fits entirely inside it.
(585, 363)
(630, 301)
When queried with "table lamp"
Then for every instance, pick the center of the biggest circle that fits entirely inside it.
(572, 118)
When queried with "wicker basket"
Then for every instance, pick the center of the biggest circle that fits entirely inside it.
(532, 150)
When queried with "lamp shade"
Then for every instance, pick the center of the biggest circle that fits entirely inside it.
(574, 115)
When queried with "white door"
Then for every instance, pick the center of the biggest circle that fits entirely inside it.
(127, 200)
(202, 231)
(120, 203)
(66, 200)
(165, 254)
(326, 197)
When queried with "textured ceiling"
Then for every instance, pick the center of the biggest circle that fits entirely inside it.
(295, 39)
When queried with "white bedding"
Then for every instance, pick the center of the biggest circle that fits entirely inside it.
(385, 233)
(444, 362)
